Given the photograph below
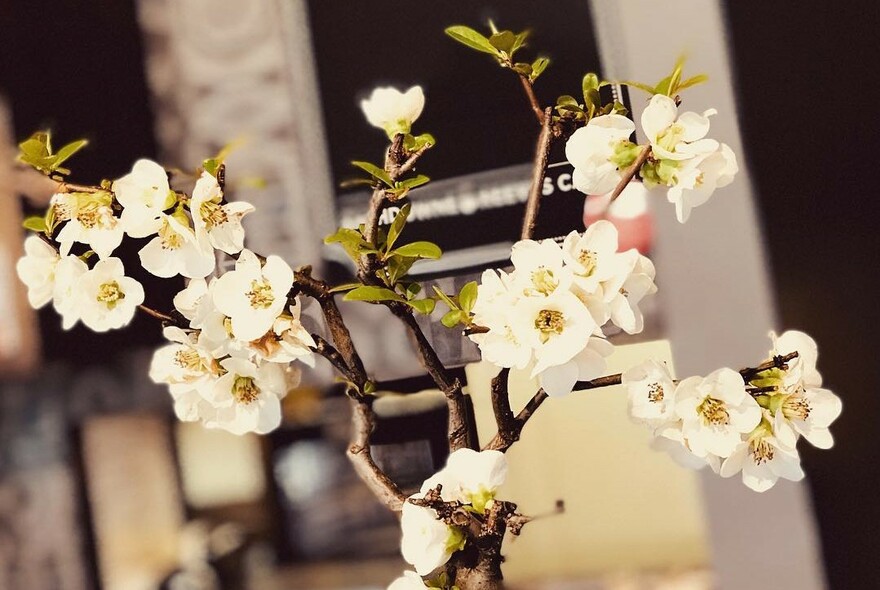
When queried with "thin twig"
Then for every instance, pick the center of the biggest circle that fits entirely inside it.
(329, 352)
(630, 172)
(529, 89)
(539, 170)
(777, 362)
(158, 315)
(505, 438)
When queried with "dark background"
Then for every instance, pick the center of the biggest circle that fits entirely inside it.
(806, 76)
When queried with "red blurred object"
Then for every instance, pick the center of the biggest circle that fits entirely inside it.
(629, 214)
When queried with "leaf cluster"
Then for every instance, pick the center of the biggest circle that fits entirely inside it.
(460, 306)
(36, 151)
(672, 84)
(503, 46)
(380, 178)
(569, 108)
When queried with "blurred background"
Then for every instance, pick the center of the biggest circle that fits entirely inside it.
(101, 487)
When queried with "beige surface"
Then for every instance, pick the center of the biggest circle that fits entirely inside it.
(136, 526)
(627, 506)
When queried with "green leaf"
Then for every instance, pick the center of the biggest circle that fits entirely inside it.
(468, 296)
(397, 266)
(351, 240)
(420, 250)
(567, 100)
(693, 81)
(446, 298)
(503, 41)
(425, 306)
(374, 171)
(538, 67)
(345, 287)
(414, 182)
(356, 182)
(590, 82)
(471, 38)
(69, 150)
(369, 387)
(452, 318)
(414, 144)
(397, 226)
(35, 223)
(370, 293)
(523, 69)
(412, 290)
(641, 86)
(519, 41)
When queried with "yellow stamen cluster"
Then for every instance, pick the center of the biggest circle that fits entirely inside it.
(796, 407)
(655, 393)
(245, 390)
(588, 260)
(549, 322)
(189, 359)
(110, 294)
(213, 214)
(171, 240)
(544, 281)
(260, 295)
(714, 412)
(761, 451)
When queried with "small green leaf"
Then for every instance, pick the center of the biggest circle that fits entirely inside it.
(374, 171)
(567, 100)
(590, 82)
(69, 150)
(640, 85)
(538, 67)
(519, 41)
(523, 69)
(420, 250)
(503, 41)
(412, 290)
(425, 306)
(468, 296)
(396, 268)
(693, 81)
(35, 223)
(369, 387)
(345, 287)
(452, 318)
(471, 38)
(370, 293)
(415, 181)
(356, 182)
(446, 298)
(397, 226)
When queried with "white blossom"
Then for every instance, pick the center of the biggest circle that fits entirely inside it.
(184, 365)
(591, 149)
(65, 297)
(670, 439)
(143, 193)
(470, 477)
(699, 177)
(588, 364)
(427, 542)
(247, 397)
(626, 290)
(539, 268)
(191, 406)
(675, 137)
(287, 341)
(557, 328)
(178, 250)
(107, 298)
(408, 581)
(221, 222)
(394, 111)
(650, 393)
(592, 256)
(494, 309)
(804, 407)
(763, 460)
(91, 222)
(253, 296)
(36, 269)
(715, 411)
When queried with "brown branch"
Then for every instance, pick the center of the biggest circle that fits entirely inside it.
(529, 90)
(458, 431)
(504, 418)
(630, 172)
(777, 362)
(363, 425)
(505, 438)
(411, 161)
(542, 153)
(165, 318)
(329, 352)
(318, 290)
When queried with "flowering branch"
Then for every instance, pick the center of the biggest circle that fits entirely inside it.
(529, 90)
(542, 153)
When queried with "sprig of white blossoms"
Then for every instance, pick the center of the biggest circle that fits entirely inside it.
(736, 426)
(682, 160)
(471, 478)
(231, 371)
(548, 313)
